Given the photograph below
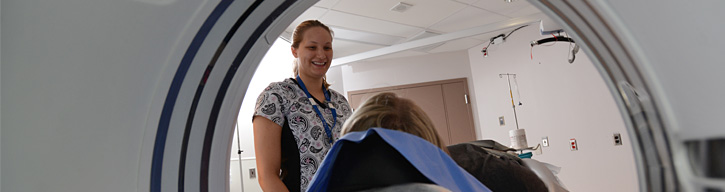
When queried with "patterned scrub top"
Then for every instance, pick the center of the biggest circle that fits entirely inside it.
(303, 135)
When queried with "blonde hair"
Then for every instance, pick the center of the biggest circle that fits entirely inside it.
(297, 39)
(386, 110)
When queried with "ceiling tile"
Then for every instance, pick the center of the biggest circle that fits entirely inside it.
(520, 11)
(360, 23)
(424, 13)
(467, 18)
(375, 18)
(493, 5)
(344, 48)
(311, 13)
(467, 2)
(365, 37)
(326, 3)
(502, 7)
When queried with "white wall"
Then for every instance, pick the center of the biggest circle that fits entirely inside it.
(409, 70)
(276, 66)
(239, 177)
(247, 184)
(399, 71)
(251, 184)
(334, 78)
(560, 101)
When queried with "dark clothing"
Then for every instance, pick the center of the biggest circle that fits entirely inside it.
(496, 169)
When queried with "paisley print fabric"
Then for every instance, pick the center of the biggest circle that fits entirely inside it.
(285, 101)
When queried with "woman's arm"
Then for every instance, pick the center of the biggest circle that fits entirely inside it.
(268, 149)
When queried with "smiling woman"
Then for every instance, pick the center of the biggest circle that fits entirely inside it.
(297, 120)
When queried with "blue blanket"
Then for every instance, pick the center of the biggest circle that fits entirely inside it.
(427, 158)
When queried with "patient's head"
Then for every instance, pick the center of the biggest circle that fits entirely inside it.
(386, 110)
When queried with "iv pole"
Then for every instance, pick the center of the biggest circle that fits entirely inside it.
(508, 77)
(239, 155)
(511, 94)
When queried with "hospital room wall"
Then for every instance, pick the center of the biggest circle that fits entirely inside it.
(560, 101)
(575, 91)
(379, 73)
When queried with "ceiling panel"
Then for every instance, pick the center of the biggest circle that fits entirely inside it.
(467, 2)
(344, 48)
(424, 13)
(520, 11)
(362, 24)
(311, 13)
(349, 21)
(326, 3)
(365, 37)
(501, 6)
(467, 18)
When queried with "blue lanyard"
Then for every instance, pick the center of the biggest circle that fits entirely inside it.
(328, 130)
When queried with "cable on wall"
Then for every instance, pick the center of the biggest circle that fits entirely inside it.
(557, 39)
(518, 93)
(498, 39)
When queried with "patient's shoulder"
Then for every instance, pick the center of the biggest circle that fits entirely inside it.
(410, 187)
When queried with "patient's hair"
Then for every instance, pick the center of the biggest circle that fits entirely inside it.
(386, 110)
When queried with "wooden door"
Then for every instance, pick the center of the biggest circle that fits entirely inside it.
(430, 99)
(458, 110)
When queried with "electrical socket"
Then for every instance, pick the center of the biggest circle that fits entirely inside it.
(617, 139)
(545, 141)
(573, 145)
(252, 173)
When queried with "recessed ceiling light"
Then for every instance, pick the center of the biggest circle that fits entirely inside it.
(401, 7)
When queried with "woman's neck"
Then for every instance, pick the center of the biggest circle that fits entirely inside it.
(314, 86)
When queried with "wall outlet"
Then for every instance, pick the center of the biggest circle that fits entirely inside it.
(617, 139)
(252, 173)
(545, 141)
(501, 122)
(572, 144)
